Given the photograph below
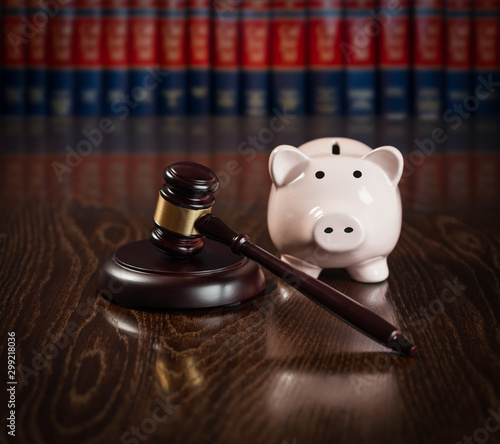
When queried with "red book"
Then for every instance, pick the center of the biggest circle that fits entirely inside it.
(88, 58)
(324, 58)
(428, 57)
(114, 56)
(394, 58)
(359, 55)
(226, 60)
(486, 50)
(288, 31)
(14, 41)
(199, 56)
(173, 57)
(458, 57)
(255, 48)
(36, 64)
(145, 79)
(61, 60)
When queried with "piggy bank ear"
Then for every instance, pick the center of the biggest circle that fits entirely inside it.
(286, 163)
(390, 160)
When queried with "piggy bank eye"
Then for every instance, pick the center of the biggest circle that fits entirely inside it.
(319, 174)
(357, 174)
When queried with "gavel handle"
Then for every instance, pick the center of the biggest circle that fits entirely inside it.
(334, 301)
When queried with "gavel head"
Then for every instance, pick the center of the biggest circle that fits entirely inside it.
(186, 195)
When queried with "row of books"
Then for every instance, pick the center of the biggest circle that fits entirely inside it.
(227, 57)
(111, 162)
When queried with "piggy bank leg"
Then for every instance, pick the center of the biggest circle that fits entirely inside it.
(306, 267)
(371, 271)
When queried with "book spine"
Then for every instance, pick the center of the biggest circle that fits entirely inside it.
(114, 58)
(497, 71)
(393, 59)
(359, 54)
(3, 37)
(199, 56)
(428, 58)
(172, 98)
(60, 56)
(324, 61)
(255, 47)
(486, 50)
(143, 46)
(88, 59)
(36, 67)
(458, 60)
(288, 30)
(15, 37)
(226, 60)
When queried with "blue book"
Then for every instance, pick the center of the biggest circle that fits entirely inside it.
(324, 64)
(60, 55)
(2, 36)
(144, 80)
(226, 60)
(255, 59)
(36, 59)
(199, 56)
(486, 50)
(88, 60)
(359, 55)
(288, 30)
(114, 56)
(428, 58)
(172, 97)
(394, 60)
(36, 72)
(458, 52)
(14, 52)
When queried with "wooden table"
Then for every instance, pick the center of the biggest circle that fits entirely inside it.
(277, 368)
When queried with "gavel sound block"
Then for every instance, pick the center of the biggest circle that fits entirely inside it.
(177, 268)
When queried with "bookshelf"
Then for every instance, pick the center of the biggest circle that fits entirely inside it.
(429, 58)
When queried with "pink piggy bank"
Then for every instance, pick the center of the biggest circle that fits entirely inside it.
(335, 203)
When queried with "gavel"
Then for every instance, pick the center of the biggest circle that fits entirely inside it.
(183, 216)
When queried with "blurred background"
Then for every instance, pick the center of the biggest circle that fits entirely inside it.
(113, 90)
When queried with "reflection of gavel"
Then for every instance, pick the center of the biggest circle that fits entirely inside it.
(183, 216)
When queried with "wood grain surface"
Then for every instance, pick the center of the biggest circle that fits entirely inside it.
(274, 369)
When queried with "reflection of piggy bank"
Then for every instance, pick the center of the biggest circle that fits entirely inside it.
(335, 203)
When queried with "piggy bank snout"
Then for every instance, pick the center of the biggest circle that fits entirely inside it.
(338, 232)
